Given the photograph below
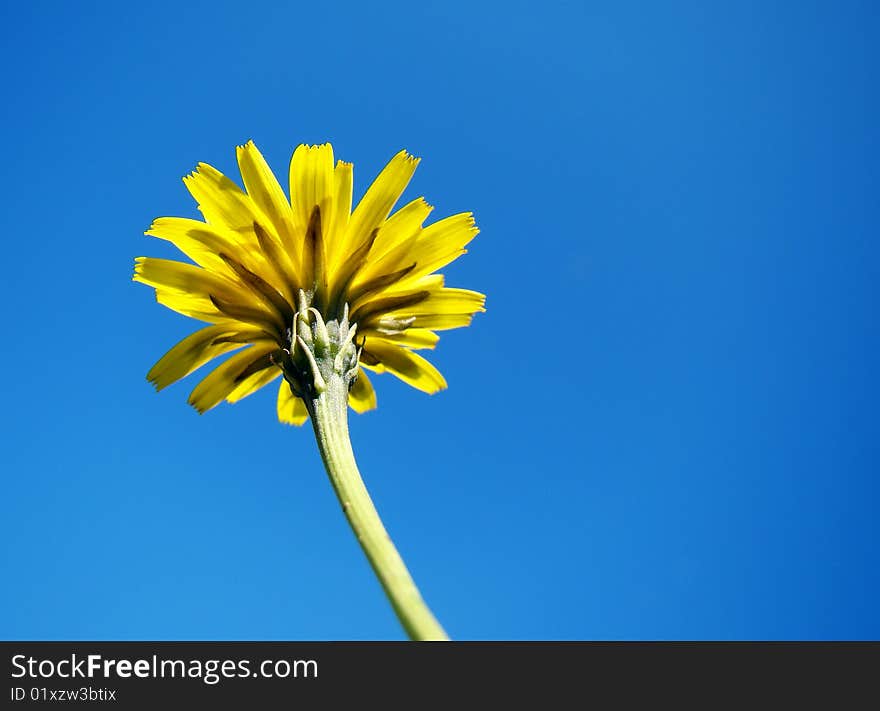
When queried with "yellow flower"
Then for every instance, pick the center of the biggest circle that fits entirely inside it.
(261, 261)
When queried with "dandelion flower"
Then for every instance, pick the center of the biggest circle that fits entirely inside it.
(308, 291)
(261, 260)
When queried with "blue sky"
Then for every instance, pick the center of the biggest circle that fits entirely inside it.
(664, 427)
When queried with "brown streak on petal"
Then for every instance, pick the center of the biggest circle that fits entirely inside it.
(369, 358)
(242, 338)
(390, 303)
(315, 244)
(261, 363)
(278, 260)
(261, 288)
(247, 315)
(378, 283)
(354, 262)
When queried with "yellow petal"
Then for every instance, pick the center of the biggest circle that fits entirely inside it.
(428, 250)
(220, 200)
(225, 378)
(203, 289)
(312, 184)
(428, 282)
(291, 410)
(439, 322)
(265, 292)
(440, 243)
(446, 301)
(406, 365)
(415, 338)
(377, 202)
(403, 226)
(395, 298)
(389, 257)
(254, 382)
(362, 397)
(192, 305)
(270, 207)
(277, 260)
(263, 188)
(187, 278)
(196, 303)
(203, 243)
(342, 188)
(197, 349)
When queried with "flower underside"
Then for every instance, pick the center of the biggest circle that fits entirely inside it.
(265, 267)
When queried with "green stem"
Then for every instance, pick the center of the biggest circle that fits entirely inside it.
(329, 415)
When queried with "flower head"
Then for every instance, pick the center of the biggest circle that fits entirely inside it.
(278, 279)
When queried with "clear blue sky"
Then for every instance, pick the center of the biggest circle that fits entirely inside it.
(664, 427)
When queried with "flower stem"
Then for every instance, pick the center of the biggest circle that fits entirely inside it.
(329, 415)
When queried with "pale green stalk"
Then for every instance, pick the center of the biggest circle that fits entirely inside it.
(329, 416)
